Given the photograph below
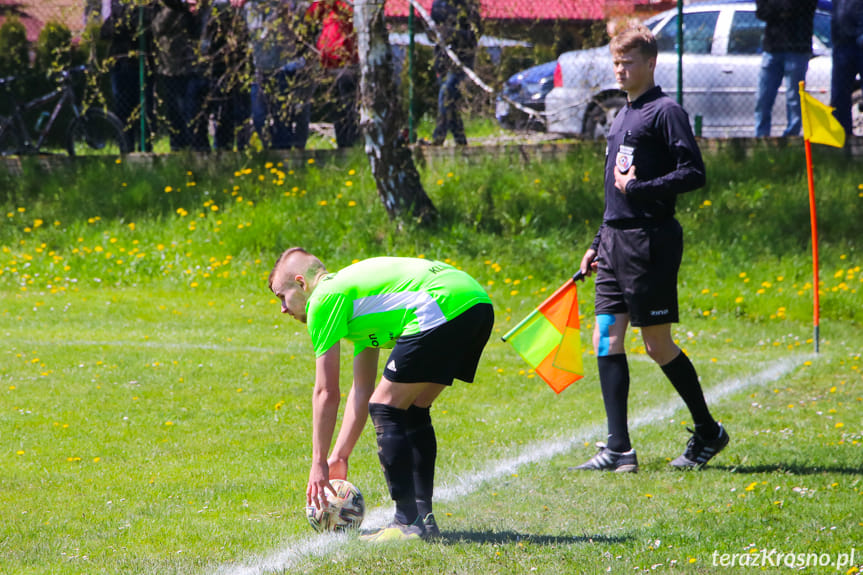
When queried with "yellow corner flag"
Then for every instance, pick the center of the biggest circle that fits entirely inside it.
(819, 125)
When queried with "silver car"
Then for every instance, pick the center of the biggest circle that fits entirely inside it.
(721, 67)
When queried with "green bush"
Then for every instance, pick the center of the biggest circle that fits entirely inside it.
(53, 48)
(14, 47)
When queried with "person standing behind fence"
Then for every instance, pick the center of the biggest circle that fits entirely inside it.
(847, 34)
(182, 86)
(787, 48)
(458, 24)
(122, 27)
(281, 88)
(337, 50)
(225, 50)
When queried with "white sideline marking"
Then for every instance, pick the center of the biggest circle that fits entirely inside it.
(317, 545)
(159, 344)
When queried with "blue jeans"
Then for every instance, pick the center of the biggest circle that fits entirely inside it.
(281, 108)
(847, 63)
(774, 66)
(448, 117)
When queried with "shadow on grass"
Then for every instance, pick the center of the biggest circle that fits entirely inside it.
(503, 537)
(790, 469)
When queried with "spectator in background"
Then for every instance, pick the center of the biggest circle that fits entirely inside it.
(182, 85)
(224, 48)
(847, 33)
(281, 88)
(458, 25)
(120, 27)
(337, 50)
(787, 48)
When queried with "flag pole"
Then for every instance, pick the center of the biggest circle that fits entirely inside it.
(814, 225)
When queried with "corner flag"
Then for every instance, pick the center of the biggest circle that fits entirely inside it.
(548, 339)
(819, 125)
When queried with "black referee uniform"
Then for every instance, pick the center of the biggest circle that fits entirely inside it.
(639, 244)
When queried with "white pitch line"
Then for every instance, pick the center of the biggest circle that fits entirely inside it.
(317, 545)
(158, 345)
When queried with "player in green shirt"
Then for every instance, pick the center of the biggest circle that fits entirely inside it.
(437, 320)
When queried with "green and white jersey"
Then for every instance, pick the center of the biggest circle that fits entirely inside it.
(373, 302)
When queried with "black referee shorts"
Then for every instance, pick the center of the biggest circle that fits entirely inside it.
(637, 272)
(449, 351)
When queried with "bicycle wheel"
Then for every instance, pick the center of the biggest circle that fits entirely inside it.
(96, 132)
(9, 143)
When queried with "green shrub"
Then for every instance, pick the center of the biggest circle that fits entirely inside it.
(14, 47)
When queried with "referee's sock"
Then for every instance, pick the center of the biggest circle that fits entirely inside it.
(396, 456)
(424, 446)
(614, 380)
(682, 375)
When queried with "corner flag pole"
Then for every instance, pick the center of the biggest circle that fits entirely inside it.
(814, 225)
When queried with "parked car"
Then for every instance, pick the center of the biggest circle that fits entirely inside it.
(721, 66)
(529, 89)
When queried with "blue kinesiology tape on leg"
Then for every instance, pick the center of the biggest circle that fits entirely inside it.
(604, 321)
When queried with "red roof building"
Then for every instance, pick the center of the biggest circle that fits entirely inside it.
(534, 10)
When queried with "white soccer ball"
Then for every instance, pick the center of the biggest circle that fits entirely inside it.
(345, 510)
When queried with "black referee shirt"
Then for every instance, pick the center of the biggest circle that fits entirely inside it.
(657, 139)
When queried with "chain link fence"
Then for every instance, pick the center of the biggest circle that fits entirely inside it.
(232, 74)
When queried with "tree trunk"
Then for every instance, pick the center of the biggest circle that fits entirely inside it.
(392, 164)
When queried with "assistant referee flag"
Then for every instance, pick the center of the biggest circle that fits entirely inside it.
(548, 339)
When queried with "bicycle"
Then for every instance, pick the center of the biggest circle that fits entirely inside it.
(90, 131)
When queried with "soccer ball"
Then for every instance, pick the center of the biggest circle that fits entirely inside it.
(345, 510)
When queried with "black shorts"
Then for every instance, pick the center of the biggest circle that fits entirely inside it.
(637, 272)
(439, 355)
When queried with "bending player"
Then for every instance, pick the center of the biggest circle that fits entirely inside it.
(437, 321)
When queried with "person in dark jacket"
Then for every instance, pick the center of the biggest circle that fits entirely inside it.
(123, 27)
(847, 33)
(225, 53)
(787, 48)
(458, 24)
(182, 85)
(651, 157)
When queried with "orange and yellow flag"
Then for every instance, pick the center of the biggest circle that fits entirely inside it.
(819, 124)
(549, 340)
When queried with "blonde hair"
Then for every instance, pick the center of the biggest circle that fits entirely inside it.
(636, 37)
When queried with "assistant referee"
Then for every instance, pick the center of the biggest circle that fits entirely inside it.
(651, 157)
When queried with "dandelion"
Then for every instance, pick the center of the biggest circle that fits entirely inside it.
(351, 204)
(322, 203)
(168, 189)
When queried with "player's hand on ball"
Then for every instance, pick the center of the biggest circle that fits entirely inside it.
(338, 468)
(319, 482)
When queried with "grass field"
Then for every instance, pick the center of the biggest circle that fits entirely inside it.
(155, 407)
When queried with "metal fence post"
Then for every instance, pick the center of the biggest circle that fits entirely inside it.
(680, 52)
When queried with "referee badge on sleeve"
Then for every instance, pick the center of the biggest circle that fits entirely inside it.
(624, 158)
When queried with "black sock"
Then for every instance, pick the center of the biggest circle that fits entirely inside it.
(424, 445)
(395, 454)
(614, 380)
(682, 375)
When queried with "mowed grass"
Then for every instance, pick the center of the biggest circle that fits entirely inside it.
(155, 407)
